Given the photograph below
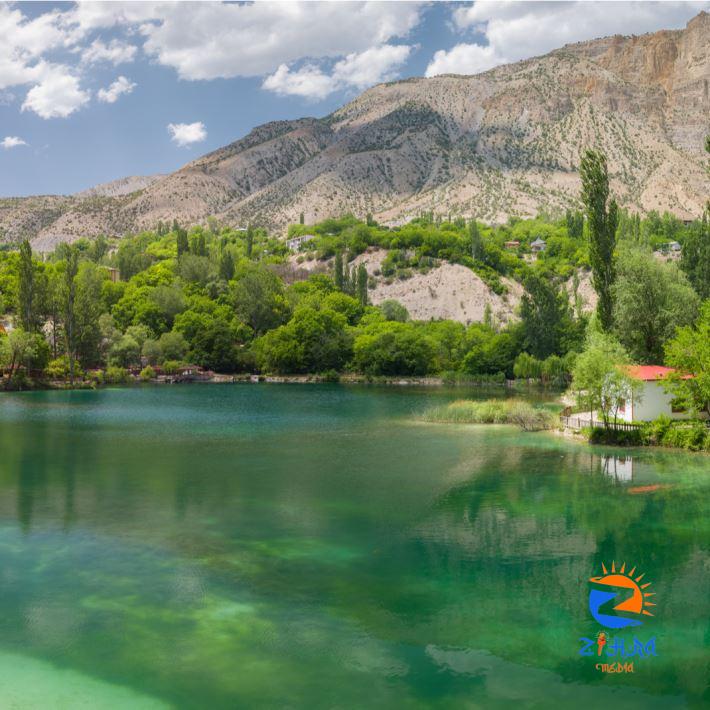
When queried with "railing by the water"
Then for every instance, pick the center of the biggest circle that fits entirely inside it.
(571, 422)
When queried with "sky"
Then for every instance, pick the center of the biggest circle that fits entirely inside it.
(92, 91)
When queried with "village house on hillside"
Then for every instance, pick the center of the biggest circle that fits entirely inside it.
(295, 243)
(538, 245)
(652, 400)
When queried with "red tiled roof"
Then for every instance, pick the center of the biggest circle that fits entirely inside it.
(650, 373)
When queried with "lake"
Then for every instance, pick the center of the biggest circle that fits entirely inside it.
(317, 546)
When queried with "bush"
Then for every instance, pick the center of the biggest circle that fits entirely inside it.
(620, 437)
(116, 375)
(58, 369)
(170, 367)
(147, 374)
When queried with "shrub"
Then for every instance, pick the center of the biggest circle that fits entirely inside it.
(170, 367)
(116, 375)
(616, 437)
(147, 374)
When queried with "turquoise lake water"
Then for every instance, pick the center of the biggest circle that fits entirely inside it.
(286, 546)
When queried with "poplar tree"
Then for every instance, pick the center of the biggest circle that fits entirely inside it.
(338, 275)
(602, 218)
(362, 284)
(69, 307)
(250, 241)
(475, 240)
(26, 289)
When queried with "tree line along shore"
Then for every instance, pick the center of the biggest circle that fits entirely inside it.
(230, 300)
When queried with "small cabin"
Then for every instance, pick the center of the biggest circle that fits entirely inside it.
(538, 245)
(113, 274)
(513, 244)
(295, 243)
(652, 399)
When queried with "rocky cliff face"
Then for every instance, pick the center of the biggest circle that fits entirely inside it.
(492, 145)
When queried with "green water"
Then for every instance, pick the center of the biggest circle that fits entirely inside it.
(318, 547)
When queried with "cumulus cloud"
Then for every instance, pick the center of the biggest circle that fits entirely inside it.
(57, 95)
(12, 142)
(185, 134)
(512, 31)
(216, 40)
(115, 90)
(464, 59)
(115, 52)
(358, 70)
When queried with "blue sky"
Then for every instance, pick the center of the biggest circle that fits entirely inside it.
(91, 92)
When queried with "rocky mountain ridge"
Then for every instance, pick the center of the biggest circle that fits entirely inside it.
(505, 142)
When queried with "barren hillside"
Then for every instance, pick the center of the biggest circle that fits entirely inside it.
(492, 145)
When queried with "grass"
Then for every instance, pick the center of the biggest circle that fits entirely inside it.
(493, 411)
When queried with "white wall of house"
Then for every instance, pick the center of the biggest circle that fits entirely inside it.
(652, 401)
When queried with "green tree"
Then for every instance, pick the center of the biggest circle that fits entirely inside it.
(20, 347)
(87, 310)
(226, 266)
(173, 345)
(599, 380)
(362, 284)
(475, 241)
(338, 271)
(71, 335)
(602, 217)
(391, 348)
(394, 311)
(249, 241)
(182, 242)
(689, 353)
(651, 299)
(26, 289)
(695, 257)
(259, 298)
(545, 315)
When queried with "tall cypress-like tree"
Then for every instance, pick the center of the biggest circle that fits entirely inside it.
(602, 217)
(26, 289)
(226, 266)
(362, 284)
(475, 240)
(69, 307)
(250, 241)
(338, 275)
(183, 244)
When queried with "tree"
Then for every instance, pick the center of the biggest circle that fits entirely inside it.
(226, 266)
(362, 284)
(475, 241)
(301, 218)
(544, 311)
(87, 312)
(259, 298)
(338, 271)
(173, 345)
(249, 241)
(602, 217)
(391, 348)
(689, 353)
(183, 244)
(21, 347)
(651, 299)
(394, 311)
(26, 296)
(599, 379)
(574, 221)
(98, 249)
(71, 268)
(695, 258)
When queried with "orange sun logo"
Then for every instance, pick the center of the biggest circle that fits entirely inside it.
(637, 603)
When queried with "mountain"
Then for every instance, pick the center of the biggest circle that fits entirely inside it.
(505, 142)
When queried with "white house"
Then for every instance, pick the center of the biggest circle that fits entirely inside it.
(294, 244)
(652, 399)
(538, 245)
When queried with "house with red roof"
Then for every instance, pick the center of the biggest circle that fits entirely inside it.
(652, 399)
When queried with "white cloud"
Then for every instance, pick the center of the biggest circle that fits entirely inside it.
(57, 95)
(358, 70)
(12, 142)
(216, 40)
(185, 134)
(115, 52)
(517, 30)
(308, 82)
(115, 90)
(464, 59)
(372, 66)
